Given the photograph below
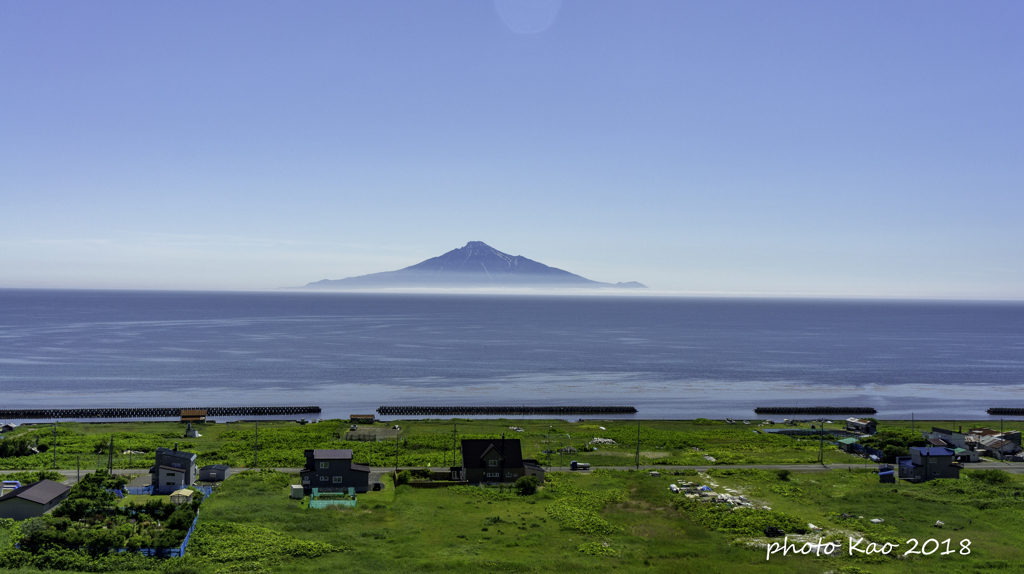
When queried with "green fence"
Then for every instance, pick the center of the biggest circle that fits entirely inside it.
(323, 500)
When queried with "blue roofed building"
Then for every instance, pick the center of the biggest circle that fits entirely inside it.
(928, 463)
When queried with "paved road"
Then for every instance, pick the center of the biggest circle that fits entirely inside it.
(377, 471)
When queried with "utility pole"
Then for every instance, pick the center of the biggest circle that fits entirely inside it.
(130, 454)
(110, 455)
(396, 457)
(55, 445)
(821, 442)
(256, 446)
(911, 422)
(638, 444)
(78, 468)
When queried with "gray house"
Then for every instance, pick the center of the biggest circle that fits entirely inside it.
(174, 469)
(214, 472)
(32, 500)
(928, 463)
(493, 460)
(333, 469)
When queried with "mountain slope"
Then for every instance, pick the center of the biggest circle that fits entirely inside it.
(475, 265)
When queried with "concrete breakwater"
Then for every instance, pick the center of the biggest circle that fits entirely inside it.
(503, 410)
(1006, 411)
(128, 413)
(815, 410)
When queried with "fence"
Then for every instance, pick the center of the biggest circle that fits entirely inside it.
(864, 450)
(315, 502)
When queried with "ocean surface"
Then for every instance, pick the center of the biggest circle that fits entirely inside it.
(349, 353)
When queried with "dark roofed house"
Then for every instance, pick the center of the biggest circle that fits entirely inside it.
(492, 460)
(32, 500)
(333, 469)
(173, 470)
(928, 463)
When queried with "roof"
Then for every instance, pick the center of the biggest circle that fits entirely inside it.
(937, 442)
(932, 450)
(532, 464)
(360, 467)
(859, 421)
(474, 449)
(42, 492)
(174, 468)
(851, 440)
(331, 454)
(885, 472)
(960, 450)
(164, 451)
(215, 467)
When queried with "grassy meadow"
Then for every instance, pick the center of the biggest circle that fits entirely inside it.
(420, 443)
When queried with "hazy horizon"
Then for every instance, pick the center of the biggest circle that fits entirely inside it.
(799, 149)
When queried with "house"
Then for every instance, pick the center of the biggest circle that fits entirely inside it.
(8, 427)
(214, 472)
(173, 470)
(861, 426)
(32, 500)
(928, 463)
(492, 460)
(951, 438)
(998, 447)
(333, 469)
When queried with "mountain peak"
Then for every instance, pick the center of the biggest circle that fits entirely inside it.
(475, 265)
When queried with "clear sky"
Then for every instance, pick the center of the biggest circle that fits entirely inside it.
(849, 148)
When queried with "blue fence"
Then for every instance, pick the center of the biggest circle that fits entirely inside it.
(137, 490)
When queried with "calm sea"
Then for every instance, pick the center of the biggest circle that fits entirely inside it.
(349, 353)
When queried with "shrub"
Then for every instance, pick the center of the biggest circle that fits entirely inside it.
(991, 476)
(527, 485)
(783, 474)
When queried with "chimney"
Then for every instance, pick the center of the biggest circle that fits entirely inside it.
(960, 429)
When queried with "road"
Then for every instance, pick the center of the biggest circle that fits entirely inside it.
(377, 471)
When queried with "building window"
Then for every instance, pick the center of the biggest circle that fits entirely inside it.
(493, 474)
(325, 465)
(169, 484)
(323, 479)
(336, 479)
(510, 474)
(492, 463)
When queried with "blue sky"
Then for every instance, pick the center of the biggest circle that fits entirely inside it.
(771, 148)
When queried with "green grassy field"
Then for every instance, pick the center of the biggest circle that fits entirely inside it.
(421, 443)
(606, 521)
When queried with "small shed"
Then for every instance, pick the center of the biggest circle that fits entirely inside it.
(214, 472)
(297, 492)
(32, 500)
(8, 427)
(846, 444)
(193, 415)
(183, 496)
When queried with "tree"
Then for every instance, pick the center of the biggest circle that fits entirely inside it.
(526, 485)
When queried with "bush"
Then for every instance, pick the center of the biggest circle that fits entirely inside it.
(783, 474)
(991, 476)
(403, 477)
(527, 485)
